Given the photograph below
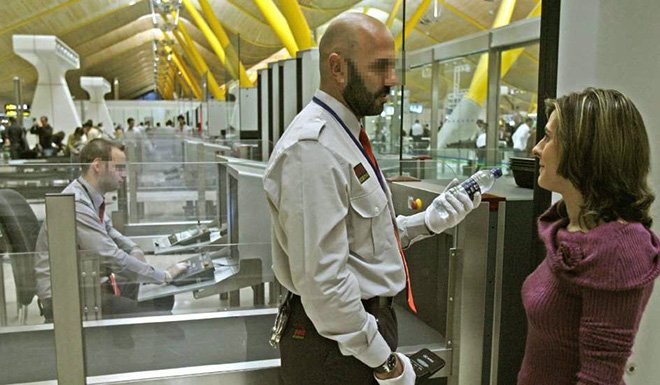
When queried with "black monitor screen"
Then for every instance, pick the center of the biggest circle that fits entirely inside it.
(222, 193)
(232, 207)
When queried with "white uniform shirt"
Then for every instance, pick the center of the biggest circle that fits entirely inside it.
(481, 140)
(333, 238)
(93, 133)
(133, 134)
(520, 137)
(417, 129)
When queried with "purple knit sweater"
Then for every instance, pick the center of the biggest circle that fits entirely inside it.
(585, 300)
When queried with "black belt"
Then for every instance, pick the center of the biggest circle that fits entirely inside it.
(371, 305)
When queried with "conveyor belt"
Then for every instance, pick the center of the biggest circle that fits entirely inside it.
(29, 356)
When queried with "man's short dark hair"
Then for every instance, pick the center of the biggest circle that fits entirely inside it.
(98, 148)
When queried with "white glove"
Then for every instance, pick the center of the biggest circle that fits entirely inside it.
(174, 271)
(406, 378)
(449, 208)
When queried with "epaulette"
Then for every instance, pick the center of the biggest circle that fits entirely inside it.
(311, 130)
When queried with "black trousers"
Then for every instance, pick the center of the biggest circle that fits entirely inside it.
(126, 304)
(310, 359)
(120, 306)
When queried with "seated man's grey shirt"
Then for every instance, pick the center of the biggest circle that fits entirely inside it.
(95, 238)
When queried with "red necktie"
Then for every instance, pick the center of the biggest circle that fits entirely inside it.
(113, 282)
(101, 211)
(366, 144)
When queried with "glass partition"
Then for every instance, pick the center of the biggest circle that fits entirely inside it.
(416, 112)
(474, 109)
(27, 351)
(169, 170)
(518, 103)
(155, 114)
(133, 321)
(461, 105)
(221, 310)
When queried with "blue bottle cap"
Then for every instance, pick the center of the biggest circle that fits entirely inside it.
(496, 171)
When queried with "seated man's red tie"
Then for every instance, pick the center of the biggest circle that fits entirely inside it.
(101, 211)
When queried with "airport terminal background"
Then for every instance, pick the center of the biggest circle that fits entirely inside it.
(210, 86)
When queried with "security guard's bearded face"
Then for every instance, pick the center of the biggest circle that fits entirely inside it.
(371, 74)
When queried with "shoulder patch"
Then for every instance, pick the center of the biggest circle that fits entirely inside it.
(311, 130)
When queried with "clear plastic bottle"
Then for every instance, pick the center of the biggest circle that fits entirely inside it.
(480, 182)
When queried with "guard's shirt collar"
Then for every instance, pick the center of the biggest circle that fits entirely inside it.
(342, 111)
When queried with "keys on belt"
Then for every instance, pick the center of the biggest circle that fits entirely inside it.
(372, 305)
(280, 321)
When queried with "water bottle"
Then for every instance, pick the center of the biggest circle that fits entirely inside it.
(481, 182)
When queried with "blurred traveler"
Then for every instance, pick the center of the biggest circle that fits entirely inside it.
(91, 132)
(17, 140)
(45, 133)
(521, 135)
(75, 142)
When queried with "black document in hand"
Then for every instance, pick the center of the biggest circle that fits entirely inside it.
(425, 363)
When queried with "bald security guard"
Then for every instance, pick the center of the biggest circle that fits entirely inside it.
(336, 242)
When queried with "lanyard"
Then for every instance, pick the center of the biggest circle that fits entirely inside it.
(374, 167)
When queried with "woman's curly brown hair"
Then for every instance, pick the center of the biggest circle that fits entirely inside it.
(604, 152)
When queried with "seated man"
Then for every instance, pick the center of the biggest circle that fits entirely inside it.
(123, 266)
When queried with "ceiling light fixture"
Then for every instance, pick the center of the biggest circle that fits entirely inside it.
(429, 18)
(165, 7)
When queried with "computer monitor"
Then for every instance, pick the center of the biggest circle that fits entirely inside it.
(191, 156)
(248, 218)
(223, 162)
(218, 117)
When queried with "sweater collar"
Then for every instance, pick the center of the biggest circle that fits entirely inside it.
(587, 258)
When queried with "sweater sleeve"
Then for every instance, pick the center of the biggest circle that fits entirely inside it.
(608, 325)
